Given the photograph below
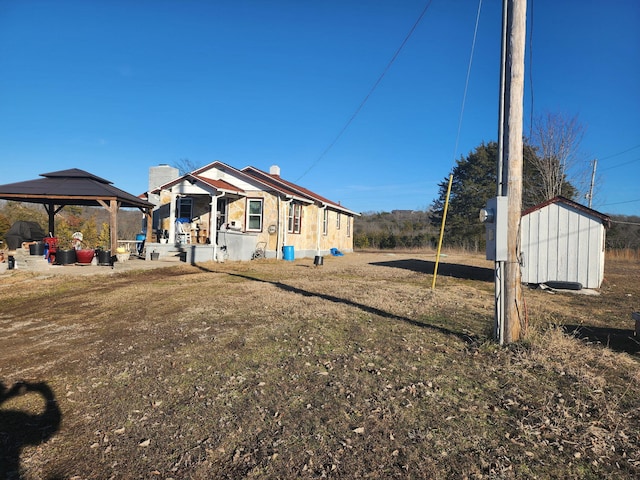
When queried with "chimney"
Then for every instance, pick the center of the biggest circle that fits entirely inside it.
(161, 174)
(274, 170)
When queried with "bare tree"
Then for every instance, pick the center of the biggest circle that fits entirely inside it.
(185, 165)
(558, 165)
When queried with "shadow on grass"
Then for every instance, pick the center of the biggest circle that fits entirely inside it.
(465, 337)
(446, 269)
(19, 429)
(617, 339)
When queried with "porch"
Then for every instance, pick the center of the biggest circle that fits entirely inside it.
(232, 245)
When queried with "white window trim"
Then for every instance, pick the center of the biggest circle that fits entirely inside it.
(325, 221)
(250, 215)
(295, 213)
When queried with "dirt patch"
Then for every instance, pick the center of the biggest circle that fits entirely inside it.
(285, 370)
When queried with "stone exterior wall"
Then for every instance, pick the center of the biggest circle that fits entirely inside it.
(307, 243)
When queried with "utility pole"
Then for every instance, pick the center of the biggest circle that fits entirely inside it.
(593, 181)
(512, 168)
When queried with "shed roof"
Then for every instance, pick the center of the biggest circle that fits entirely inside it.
(70, 187)
(606, 220)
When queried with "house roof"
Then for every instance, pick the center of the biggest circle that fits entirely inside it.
(220, 185)
(606, 220)
(217, 184)
(251, 174)
(265, 182)
(267, 179)
(287, 186)
(69, 187)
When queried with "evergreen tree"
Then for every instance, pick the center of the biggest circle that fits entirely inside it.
(474, 182)
(104, 239)
(90, 233)
(5, 225)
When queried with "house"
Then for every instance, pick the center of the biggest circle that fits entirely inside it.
(218, 212)
(563, 241)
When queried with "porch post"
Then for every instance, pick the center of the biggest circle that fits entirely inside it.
(172, 217)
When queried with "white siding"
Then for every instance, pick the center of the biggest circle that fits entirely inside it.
(561, 243)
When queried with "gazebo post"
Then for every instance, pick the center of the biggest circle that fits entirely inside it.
(113, 225)
(148, 215)
(50, 208)
(52, 211)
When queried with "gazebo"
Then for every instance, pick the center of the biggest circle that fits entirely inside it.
(76, 187)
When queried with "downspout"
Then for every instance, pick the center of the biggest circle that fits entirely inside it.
(285, 223)
(322, 209)
(213, 224)
(278, 223)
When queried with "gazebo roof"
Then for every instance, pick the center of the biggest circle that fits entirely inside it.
(70, 187)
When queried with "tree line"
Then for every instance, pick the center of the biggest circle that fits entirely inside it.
(551, 167)
(92, 222)
(395, 229)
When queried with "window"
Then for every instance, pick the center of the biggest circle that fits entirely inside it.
(338, 221)
(325, 221)
(295, 218)
(254, 215)
(348, 226)
(185, 207)
(221, 214)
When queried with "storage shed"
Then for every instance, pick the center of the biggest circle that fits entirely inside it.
(563, 241)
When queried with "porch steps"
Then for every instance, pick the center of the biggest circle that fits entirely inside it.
(167, 254)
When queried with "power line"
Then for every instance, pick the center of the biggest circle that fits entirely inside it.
(366, 98)
(618, 203)
(619, 164)
(619, 153)
(530, 47)
(466, 84)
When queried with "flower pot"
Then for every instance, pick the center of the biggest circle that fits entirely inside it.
(65, 257)
(85, 255)
(104, 257)
(36, 248)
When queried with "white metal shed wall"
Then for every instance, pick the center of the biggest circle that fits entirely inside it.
(561, 243)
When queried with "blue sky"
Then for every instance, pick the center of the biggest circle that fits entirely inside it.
(115, 87)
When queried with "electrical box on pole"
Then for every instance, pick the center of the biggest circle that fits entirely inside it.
(494, 216)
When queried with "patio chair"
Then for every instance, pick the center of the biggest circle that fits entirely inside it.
(183, 234)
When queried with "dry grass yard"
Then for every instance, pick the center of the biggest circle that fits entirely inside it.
(354, 369)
